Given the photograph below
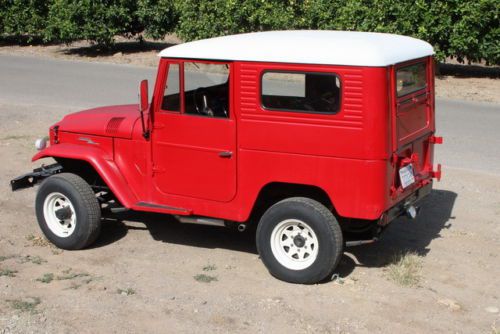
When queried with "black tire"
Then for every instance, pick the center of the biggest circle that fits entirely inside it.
(327, 233)
(87, 210)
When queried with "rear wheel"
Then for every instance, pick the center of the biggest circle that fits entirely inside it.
(299, 240)
(68, 211)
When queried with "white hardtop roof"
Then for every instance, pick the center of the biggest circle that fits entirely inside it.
(306, 47)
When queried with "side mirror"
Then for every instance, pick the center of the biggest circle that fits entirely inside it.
(143, 96)
(143, 106)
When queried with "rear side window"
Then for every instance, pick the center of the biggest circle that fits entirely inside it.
(411, 78)
(302, 92)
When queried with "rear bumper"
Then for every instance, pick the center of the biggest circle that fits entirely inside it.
(30, 179)
(400, 208)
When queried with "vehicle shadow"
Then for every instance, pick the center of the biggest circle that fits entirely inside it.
(166, 228)
(112, 230)
(404, 235)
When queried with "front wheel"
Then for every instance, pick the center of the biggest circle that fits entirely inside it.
(68, 211)
(299, 240)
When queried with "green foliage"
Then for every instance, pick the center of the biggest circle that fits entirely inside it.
(456, 28)
(475, 33)
(97, 21)
(157, 16)
(464, 29)
(203, 19)
(24, 17)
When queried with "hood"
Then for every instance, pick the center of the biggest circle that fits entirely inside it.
(111, 121)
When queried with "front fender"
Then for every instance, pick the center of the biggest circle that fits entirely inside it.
(102, 163)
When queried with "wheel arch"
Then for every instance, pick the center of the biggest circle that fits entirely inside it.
(90, 164)
(274, 192)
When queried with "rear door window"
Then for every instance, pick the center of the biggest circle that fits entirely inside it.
(411, 78)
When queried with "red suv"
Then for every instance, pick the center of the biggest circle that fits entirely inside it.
(307, 135)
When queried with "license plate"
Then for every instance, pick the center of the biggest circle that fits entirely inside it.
(406, 176)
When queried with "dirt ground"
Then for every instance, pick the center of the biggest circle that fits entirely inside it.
(140, 276)
(472, 83)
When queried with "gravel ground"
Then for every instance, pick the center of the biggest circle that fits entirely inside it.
(140, 275)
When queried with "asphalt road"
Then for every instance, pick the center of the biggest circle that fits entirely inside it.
(471, 130)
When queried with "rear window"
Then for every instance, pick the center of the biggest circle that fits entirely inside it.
(411, 78)
(302, 92)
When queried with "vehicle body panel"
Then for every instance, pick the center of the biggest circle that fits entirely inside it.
(113, 121)
(353, 155)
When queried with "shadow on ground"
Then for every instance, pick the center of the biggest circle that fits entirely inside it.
(24, 41)
(168, 229)
(94, 50)
(403, 235)
(127, 47)
(469, 71)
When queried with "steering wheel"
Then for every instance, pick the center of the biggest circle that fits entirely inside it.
(205, 109)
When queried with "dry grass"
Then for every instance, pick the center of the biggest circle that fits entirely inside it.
(32, 259)
(46, 278)
(125, 292)
(68, 275)
(25, 305)
(205, 278)
(405, 269)
(8, 272)
(3, 258)
(43, 242)
(210, 267)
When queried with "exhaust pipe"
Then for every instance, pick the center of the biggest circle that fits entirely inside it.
(360, 242)
(242, 227)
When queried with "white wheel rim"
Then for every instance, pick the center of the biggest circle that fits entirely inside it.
(294, 244)
(63, 228)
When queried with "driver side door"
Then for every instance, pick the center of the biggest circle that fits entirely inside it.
(194, 133)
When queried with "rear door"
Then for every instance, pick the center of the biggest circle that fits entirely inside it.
(413, 122)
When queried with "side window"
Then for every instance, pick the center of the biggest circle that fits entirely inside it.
(303, 92)
(206, 89)
(171, 96)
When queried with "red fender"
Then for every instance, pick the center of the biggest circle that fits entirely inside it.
(102, 163)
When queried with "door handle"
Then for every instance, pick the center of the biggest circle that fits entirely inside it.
(225, 154)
